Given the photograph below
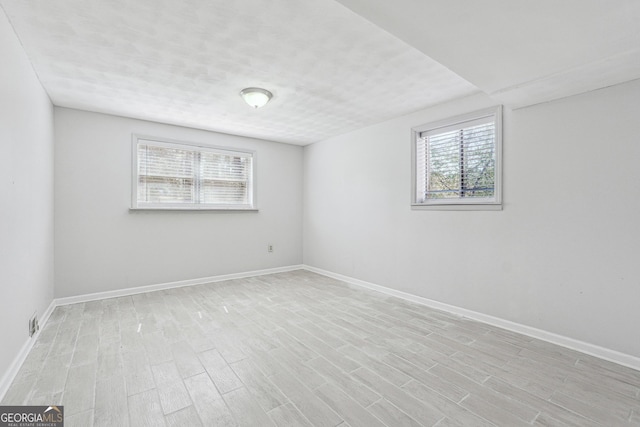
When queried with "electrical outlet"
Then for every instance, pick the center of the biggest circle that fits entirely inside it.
(269, 248)
(34, 326)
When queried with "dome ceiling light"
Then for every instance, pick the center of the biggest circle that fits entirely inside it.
(255, 96)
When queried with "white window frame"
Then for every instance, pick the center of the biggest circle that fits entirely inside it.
(493, 203)
(164, 142)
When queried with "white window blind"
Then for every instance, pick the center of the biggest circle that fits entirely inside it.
(457, 161)
(184, 176)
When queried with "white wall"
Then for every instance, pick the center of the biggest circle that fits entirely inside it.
(101, 246)
(563, 254)
(26, 197)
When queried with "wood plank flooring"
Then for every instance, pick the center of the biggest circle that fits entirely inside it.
(301, 349)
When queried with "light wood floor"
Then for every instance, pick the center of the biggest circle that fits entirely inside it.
(300, 349)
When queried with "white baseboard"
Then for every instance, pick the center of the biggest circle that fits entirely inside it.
(170, 285)
(15, 366)
(573, 344)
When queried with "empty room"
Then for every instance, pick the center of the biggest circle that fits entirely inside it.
(319, 213)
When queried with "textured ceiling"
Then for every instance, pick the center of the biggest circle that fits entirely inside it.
(184, 62)
(520, 53)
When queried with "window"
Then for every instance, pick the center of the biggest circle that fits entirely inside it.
(174, 175)
(457, 162)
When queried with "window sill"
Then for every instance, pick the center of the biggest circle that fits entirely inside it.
(455, 207)
(167, 209)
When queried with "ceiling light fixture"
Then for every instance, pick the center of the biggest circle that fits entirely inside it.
(255, 96)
